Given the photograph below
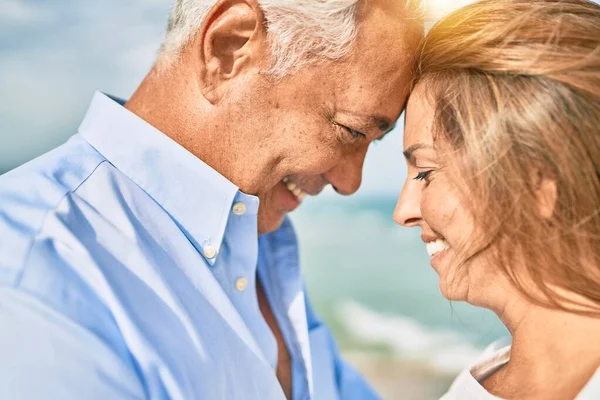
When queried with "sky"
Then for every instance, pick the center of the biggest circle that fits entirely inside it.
(55, 54)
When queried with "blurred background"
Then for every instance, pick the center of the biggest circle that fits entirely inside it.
(369, 279)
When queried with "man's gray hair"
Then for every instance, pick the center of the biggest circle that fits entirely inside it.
(300, 32)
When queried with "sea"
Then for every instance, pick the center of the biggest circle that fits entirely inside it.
(371, 282)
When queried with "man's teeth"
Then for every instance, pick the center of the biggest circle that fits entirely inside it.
(292, 187)
(436, 247)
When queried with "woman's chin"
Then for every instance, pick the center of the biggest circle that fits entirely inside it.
(452, 292)
(451, 288)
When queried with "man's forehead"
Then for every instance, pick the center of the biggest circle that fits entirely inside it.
(388, 16)
(387, 45)
(374, 80)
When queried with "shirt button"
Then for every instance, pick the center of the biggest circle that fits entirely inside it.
(241, 284)
(209, 252)
(239, 208)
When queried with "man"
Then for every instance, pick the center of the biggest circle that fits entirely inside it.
(128, 260)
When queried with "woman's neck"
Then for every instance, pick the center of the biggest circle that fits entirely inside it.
(554, 353)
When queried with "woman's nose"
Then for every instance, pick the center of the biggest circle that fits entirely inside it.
(408, 208)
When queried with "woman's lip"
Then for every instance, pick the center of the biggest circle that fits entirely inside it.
(436, 259)
(429, 238)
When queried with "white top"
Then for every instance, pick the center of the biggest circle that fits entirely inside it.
(467, 385)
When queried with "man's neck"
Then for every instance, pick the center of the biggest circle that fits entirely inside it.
(188, 119)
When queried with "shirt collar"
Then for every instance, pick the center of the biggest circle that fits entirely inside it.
(196, 196)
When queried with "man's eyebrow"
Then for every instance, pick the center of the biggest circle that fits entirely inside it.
(380, 138)
(408, 153)
(381, 122)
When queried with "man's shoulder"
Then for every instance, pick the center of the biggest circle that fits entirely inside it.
(38, 259)
(32, 191)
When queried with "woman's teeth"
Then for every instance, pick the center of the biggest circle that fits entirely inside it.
(293, 188)
(436, 247)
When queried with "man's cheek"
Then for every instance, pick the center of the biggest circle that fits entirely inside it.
(328, 161)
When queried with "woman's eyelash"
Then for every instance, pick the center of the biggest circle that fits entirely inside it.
(423, 175)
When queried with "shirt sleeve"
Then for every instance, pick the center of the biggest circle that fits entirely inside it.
(45, 355)
(334, 378)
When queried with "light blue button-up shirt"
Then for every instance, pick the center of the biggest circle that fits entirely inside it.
(123, 264)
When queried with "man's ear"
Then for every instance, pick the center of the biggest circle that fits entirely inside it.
(546, 194)
(232, 41)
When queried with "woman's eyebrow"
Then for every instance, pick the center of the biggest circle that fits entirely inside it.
(408, 153)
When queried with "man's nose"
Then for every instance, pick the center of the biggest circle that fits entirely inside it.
(408, 208)
(346, 176)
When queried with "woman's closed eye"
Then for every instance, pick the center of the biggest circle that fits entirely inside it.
(424, 176)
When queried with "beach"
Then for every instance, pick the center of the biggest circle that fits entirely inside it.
(394, 379)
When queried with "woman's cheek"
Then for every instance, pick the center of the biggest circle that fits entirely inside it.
(433, 205)
(442, 208)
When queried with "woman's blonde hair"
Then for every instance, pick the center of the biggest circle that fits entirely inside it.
(516, 89)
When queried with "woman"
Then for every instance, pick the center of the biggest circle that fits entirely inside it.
(502, 142)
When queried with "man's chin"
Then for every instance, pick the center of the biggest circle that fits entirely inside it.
(274, 206)
(271, 224)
